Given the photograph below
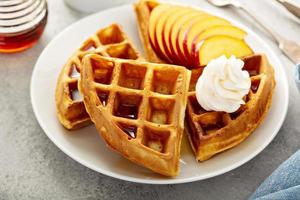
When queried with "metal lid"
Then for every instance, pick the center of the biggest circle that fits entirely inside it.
(21, 15)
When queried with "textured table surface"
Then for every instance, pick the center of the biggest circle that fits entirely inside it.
(32, 167)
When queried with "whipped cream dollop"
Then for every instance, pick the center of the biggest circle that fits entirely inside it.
(223, 84)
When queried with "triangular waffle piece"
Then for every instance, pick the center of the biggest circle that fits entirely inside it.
(110, 41)
(213, 132)
(138, 108)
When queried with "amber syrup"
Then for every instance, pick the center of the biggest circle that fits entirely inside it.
(103, 96)
(127, 111)
(21, 24)
(129, 130)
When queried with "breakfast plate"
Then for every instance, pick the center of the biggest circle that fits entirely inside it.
(86, 147)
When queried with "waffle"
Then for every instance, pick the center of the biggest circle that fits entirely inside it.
(213, 132)
(138, 108)
(110, 41)
(143, 9)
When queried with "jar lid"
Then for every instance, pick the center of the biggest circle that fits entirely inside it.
(21, 15)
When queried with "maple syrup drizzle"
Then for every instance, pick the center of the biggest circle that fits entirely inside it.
(103, 96)
(127, 110)
(130, 130)
(196, 106)
(237, 113)
(253, 72)
(252, 65)
(255, 85)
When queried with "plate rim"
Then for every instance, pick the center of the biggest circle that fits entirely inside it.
(168, 180)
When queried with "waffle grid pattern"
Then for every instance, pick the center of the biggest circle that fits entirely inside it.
(138, 108)
(110, 42)
(204, 125)
(143, 106)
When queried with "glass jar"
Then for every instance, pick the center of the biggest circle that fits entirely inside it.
(22, 22)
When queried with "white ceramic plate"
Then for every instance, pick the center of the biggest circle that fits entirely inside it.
(87, 148)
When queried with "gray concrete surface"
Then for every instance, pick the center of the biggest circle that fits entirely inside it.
(32, 167)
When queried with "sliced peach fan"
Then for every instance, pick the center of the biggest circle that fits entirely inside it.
(177, 34)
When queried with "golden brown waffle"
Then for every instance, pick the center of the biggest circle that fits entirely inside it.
(214, 132)
(143, 10)
(110, 41)
(138, 108)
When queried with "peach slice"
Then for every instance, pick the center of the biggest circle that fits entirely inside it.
(168, 27)
(181, 35)
(198, 28)
(216, 46)
(174, 32)
(153, 20)
(227, 30)
(160, 27)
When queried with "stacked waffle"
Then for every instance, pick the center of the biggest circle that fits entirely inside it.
(142, 108)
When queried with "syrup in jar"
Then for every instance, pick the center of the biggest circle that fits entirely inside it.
(22, 22)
